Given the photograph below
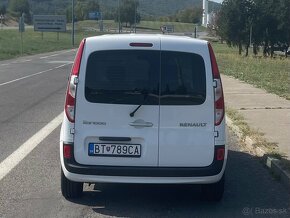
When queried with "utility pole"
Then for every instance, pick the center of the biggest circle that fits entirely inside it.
(135, 15)
(205, 12)
(119, 16)
(73, 23)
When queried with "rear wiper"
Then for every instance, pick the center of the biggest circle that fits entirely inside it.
(146, 94)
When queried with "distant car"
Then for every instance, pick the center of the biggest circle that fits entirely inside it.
(144, 109)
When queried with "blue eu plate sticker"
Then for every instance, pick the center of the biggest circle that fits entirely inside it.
(91, 148)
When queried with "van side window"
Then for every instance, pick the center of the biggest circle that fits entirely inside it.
(123, 77)
(183, 79)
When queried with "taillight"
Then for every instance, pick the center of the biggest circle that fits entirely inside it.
(220, 153)
(67, 151)
(72, 84)
(78, 58)
(218, 92)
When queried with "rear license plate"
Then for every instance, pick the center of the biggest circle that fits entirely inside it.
(114, 150)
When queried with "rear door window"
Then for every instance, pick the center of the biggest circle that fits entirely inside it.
(132, 77)
(183, 79)
(123, 77)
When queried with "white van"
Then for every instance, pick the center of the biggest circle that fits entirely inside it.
(144, 109)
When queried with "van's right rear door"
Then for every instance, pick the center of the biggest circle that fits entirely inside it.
(186, 129)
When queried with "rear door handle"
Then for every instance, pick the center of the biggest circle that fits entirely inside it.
(141, 124)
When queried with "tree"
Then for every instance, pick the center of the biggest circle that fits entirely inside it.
(272, 25)
(93, 6)
(212, 23)
(80, 11)
(83, 8)
(128, 11)
(267, 21)
(19, 7)
(190, 15)
(2, 9)
(234, 22)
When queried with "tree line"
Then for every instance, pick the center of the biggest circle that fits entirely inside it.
(82, 9)
(257, 23)
(189, 15)
(127, 13)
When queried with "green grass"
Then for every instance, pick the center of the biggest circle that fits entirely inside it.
(178, 27)
(270, 148)
(143, 25)
(271, 74)
(258, 137)
(10, 42)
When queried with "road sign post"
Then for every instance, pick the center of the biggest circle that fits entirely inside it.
(21, 30)
(21, 24)
(2, 20)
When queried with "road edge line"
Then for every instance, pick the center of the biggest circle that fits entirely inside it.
(34, 74)
(27, 147)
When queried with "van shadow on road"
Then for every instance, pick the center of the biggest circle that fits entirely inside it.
(250, 190)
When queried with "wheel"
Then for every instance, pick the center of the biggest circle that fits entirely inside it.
(70, 189)
(214, 191)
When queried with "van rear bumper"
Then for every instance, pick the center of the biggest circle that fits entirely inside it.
(124, 171)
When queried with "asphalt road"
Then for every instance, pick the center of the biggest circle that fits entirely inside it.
(32, 94)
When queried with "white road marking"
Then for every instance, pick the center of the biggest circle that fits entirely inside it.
(59, 62)
(17, 62)
(44, 57)
(48, 56)
(18, 155)
(53, 55)
(20, 61)
(61, 66)
(31, 75)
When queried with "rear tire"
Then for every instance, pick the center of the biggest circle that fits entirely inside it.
(70, 189)
(214, 191)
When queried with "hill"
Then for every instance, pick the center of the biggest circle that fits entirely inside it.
(159, 8)
(154, 8)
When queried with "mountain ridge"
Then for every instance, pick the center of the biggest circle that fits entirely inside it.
(155, 8)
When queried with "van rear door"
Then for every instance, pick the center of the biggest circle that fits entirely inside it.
(186, 134)
(117, 78)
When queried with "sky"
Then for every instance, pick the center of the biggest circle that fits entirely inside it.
(219, 1)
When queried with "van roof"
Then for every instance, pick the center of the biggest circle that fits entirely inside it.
(134, 36)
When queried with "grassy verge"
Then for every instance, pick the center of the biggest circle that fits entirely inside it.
(143, 25)
(269, 74)
(178, 27)
(270, 148)
(33, 43)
